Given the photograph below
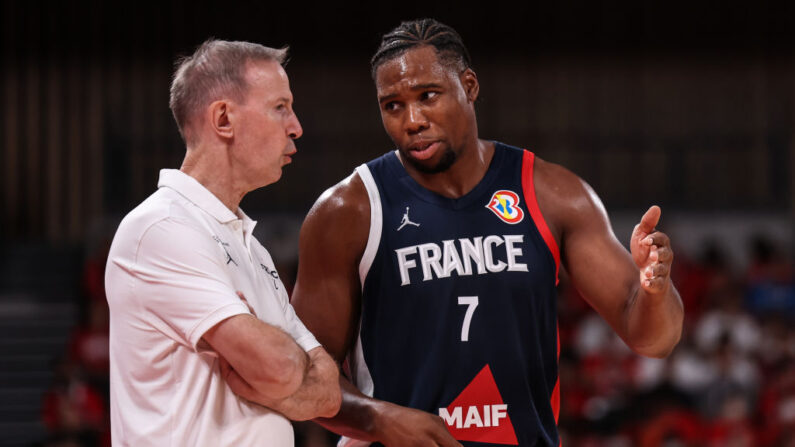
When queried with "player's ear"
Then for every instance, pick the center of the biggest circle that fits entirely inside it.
(221, 118)
(470, 82)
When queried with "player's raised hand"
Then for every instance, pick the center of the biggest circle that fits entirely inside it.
(406, 427)
(651, 251)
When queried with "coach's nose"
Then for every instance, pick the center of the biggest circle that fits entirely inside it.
(294, 129)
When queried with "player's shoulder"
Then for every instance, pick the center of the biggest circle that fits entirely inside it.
(561, 193)
(348, 198)
(342, 211)
(558, 181)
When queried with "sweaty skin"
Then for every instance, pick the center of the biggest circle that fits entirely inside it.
(428, 111)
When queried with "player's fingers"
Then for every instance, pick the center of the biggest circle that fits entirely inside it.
(654, 285)
(654, 254)
(654, 271)
(650, 219)
(442, 436)
(665, 255)
(638, 236)
(660, 270)
(658, 238)
(447, 440)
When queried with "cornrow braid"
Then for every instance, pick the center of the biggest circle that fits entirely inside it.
(445, 40)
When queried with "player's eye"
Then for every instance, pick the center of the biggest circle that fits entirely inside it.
(429, 95)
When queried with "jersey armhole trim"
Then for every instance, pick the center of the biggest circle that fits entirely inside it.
(529, 191)
(376, 222)
(359, 371)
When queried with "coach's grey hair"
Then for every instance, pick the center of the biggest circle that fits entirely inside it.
(214, 71)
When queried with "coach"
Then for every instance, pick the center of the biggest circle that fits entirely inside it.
(205, 347)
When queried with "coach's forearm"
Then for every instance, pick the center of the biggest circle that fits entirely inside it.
(319, 394)
(266, 358)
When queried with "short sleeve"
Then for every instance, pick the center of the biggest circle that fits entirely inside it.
(295, 327)
(181, 282)
(287, 320)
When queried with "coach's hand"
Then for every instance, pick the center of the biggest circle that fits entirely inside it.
(398, 426)
(651, 251)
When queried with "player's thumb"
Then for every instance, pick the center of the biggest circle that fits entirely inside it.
(650, 219)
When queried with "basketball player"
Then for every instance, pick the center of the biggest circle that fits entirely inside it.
(431, 271)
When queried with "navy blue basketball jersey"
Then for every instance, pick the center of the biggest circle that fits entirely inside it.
(459, 307)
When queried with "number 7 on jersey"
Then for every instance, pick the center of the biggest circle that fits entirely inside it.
(472, 303)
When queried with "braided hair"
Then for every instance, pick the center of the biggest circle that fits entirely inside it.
(446, 42)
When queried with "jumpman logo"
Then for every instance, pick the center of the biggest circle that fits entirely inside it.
(229, 258)
(406, 221)
(223, 246)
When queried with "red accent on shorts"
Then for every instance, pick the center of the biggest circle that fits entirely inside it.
(535, 211)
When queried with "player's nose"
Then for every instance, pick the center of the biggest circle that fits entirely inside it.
(415, 120)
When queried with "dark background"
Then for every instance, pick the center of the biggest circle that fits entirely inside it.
(660, 93)
(689, 105)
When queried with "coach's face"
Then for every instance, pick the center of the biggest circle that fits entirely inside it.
(265, 126)
(427, 108)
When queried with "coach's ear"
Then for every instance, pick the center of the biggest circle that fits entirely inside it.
(220, 118)
(471, 85)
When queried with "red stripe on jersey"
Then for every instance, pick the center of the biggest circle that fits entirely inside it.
(555, 399)
(535, 211)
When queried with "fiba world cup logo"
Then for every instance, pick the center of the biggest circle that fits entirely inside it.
(505, 204)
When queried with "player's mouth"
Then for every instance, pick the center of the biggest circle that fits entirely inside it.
(424, 149)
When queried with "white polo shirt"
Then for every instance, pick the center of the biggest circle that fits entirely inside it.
(173, 270)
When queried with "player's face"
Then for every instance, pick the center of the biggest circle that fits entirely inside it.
(426, 108)
(265, 125)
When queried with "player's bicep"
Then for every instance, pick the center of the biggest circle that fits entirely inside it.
(599, 266)
(327, 292)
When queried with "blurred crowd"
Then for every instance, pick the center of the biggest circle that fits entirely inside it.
(729, 382)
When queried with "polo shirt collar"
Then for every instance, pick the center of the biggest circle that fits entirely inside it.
(248, 223)
(194, 191)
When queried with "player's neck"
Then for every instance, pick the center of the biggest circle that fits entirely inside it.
(468, 170)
